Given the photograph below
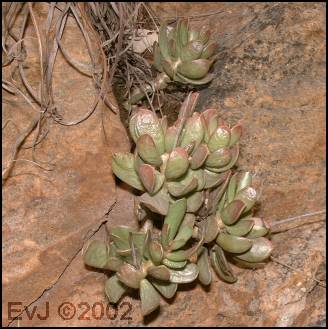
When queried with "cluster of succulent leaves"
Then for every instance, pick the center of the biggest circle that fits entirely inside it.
(185, 175)
(183, 55)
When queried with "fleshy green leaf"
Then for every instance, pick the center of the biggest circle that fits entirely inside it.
(193, 35)
(181, 255)
(222, 203)
(210, 117)
(248, 196)
(218, 158)
(125, 253)
(189, 147)
(177, 164)
(233, 244)
(150, 298)
(138, 239)
(175, 216)
(214, 179)
(241, 228)
(120, 236)
(143, 122)
(231, 192)
(151, 178)
(234, 158)
(114, 289)
(158, 203)
(182, 188)
(186, 275)
(209, 50)
(173, 264)
(204, 34)
(147, 150)
(205, 275)
(199, 156)
(197, 82)
(244, 181)
(177, 244)
(168, 68)
(158, 182)
(137, 161)
(259, 229)
(130, 276)
(199, 175)
(173, 49)
(193, 131)
(195, 201)
(170, 137)
(182, 31)
(160, 272)
(212, 228)
(193, 50)
(216, 194)
(167, 289)
(236, 132)
(260, 251)
(96, 254)
(231, 213)
(147, 177)
(164, 42)
(165, 236)
(114, 264)
(164, 123)
(156, 251)
(221, 266)
(196, 69)
(123, 167)
(186, 227)
(219, 139)
(147, 228)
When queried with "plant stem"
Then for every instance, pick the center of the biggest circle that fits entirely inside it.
(138, 94)
(284, 224)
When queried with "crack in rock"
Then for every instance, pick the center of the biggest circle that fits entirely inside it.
(93, 232)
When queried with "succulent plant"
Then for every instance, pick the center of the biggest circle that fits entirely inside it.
(182, 55)
(185, 54)
(153, 264)
(231, 230)
(193, 155)
(184, 174)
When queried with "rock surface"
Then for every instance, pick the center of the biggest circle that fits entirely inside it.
(47, 215)
(271, 76)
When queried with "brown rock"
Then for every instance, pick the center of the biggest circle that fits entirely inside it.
(272, 70)
(273, 296)
(47, 215)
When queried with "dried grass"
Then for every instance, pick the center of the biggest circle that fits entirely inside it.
(112, 25)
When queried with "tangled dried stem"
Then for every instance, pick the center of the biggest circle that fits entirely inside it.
(106, 28)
